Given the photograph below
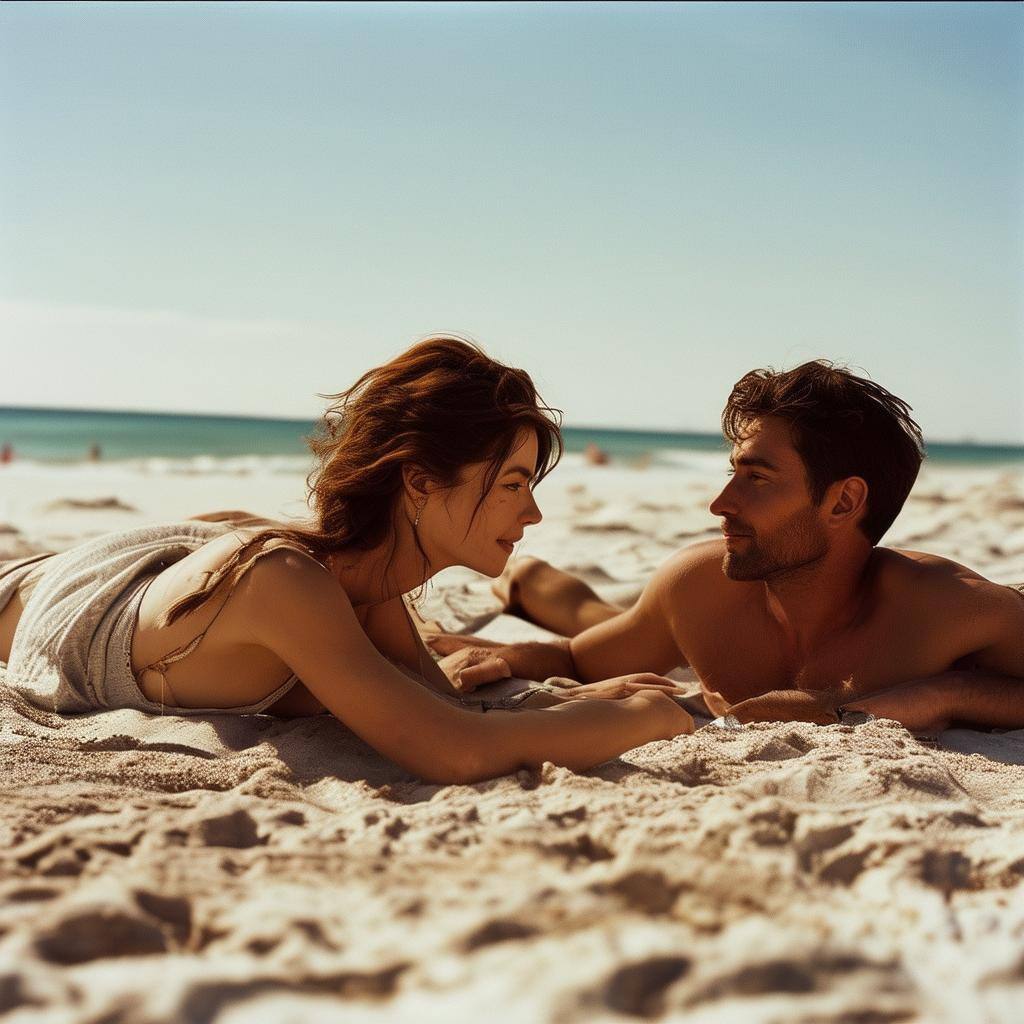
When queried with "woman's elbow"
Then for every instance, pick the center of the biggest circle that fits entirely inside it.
(454, 769)
(457, 761)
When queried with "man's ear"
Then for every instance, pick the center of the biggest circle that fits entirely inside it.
(847, 500)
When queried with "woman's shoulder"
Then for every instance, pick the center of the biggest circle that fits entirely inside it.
(282, 570)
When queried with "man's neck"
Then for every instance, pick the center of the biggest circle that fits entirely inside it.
(818, 601)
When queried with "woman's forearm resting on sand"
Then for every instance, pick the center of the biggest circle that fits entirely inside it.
(575, 734)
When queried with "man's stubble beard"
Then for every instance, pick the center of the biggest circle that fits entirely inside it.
(797, 544)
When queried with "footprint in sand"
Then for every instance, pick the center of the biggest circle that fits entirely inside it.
(638, 989)
(498, 930)
(100, 504)
(649, 892)
(173, 911)
(236, 830)
(815, 973)
(95, 933)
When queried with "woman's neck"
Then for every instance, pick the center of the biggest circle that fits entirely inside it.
(371, 577)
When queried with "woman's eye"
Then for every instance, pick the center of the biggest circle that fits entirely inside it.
(514, 488)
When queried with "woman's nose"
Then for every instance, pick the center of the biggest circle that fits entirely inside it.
(532, 515)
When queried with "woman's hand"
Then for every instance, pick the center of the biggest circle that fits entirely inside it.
(619, 687)
(673, 719)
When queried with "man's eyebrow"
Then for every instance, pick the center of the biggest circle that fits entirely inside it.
(753, 460)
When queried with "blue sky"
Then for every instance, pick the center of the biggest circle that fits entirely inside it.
(230, 208)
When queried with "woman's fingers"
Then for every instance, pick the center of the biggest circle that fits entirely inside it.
(489, 671)
(625, 686)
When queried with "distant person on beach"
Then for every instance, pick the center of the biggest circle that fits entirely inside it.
(796, 613)
(6, 454)
(426, 462)
(95, 452)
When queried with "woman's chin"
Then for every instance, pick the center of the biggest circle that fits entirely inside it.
(493, 569)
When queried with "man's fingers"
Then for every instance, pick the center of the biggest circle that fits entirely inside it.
(652, 679)
(489, 671)
(449, 643)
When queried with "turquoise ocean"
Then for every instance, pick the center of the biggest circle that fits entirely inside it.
(175, 441)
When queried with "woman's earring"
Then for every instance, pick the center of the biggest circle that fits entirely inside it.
(419, 512)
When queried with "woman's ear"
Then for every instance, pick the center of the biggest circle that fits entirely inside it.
(848, 500)
(417, 483)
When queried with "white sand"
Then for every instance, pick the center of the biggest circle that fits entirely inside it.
(241, 870)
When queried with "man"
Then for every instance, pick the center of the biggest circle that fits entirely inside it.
(796, 613)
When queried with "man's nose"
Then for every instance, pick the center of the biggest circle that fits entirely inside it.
(724, 504)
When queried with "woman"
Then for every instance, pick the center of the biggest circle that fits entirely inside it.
(426, 462)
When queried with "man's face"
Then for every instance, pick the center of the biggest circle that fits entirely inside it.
(771, 526)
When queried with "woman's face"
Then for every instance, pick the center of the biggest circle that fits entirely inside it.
(452, 535)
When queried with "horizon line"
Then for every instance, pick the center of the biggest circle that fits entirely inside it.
(962, 442)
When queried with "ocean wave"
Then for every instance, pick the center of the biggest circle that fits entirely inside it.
(196, 465)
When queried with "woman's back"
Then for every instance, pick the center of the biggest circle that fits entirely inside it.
(206, 658)
(88, 627)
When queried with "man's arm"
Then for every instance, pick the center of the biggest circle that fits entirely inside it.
(643, 638)
(986, 686)
(640, 639)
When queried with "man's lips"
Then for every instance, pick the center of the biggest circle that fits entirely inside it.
(508, 545)
(735, 535)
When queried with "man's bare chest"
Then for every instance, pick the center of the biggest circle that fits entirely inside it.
(741, 656)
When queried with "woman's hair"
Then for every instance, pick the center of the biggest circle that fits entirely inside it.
(440, 406)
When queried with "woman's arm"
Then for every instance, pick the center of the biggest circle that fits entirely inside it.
(392, 631)
(297, 610)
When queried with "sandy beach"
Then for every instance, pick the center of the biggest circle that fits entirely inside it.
(259, 869)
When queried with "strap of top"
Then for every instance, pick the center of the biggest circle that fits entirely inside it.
(179, 653)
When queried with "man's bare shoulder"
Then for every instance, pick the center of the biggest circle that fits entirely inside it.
(921, 567)
(693, 573)
(938, 580)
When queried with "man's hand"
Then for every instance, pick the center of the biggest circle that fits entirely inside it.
(789, 706)
(470, 661)
(923, 707)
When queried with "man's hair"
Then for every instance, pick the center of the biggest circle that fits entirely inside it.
(842, 426)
